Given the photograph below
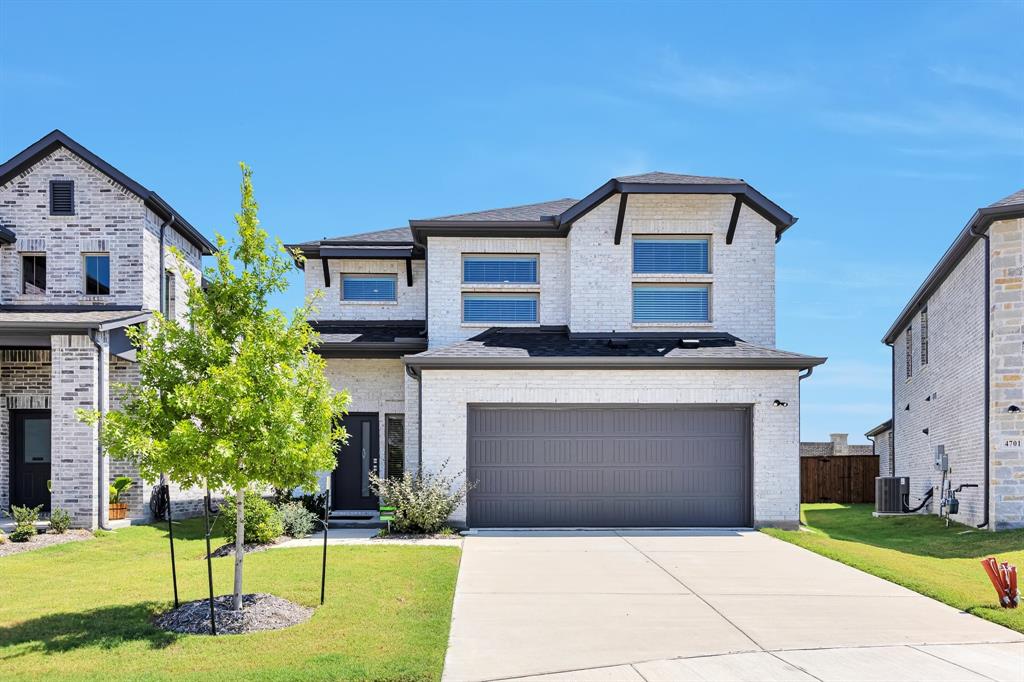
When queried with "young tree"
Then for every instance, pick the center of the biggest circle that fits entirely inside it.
(233, 396)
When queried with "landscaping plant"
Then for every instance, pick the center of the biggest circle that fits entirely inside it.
(60, 521)
(25, 519)
(298, 521)
(423, 501)
(232, 395)
(263, 523)
(119, 487)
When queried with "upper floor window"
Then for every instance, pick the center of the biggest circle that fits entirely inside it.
(167, 304)
(97, 274)
(368, 287)
(62, 197)
(924, 336)
(33, 274)
(670, 303)
(909, 354)
(499, 308)
(669, 254)
(499, 269)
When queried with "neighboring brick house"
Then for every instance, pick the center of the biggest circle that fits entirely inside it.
(84, 254)
(603, 362)
(958, 360)
(837, 446)
(881, 441)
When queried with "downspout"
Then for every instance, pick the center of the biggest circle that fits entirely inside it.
(892, 408)
(418, 376)
(799, 433)
(102, 399)
(162, 279)
(988, 379)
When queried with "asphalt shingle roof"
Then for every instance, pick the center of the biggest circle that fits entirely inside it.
(1015, 198)
(72, 319)
(662, 178)
(515, 213)
(370, 332)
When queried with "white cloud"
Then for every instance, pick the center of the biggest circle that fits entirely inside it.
(929, 120)
(992, 82)
(716, 85)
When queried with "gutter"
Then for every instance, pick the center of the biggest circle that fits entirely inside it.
(988, 375)
(804, 363)
(102, 406)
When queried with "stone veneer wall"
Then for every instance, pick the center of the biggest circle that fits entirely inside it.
(1007, 373)
(776, 467)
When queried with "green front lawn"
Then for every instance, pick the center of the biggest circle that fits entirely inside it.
(82, 610)
(918, 552)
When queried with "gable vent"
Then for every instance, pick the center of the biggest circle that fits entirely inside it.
(62, 197)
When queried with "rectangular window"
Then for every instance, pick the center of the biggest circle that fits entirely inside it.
(167, 305)
(673, 255)
(670, 303)
(62, 197)
(499, 308)
(33, 274)
(395, 437)
(924, 336)
(97, 274)
(909, 354)
(499, 269)
(368, 287)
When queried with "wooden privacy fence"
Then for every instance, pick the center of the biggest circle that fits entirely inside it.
(838, 479)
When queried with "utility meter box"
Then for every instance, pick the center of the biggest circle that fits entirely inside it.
(941, 460)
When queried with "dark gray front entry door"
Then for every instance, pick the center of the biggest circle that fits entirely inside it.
(30, 458)
(608, 466)
(350, 481)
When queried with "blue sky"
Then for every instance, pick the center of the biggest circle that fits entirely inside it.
(881, 125)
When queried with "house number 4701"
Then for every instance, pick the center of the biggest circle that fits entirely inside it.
(1013, 443)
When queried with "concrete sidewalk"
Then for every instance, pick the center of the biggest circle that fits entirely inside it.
(700, 605)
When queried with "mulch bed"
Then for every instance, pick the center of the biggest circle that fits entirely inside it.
(41, 540)
(259, 612)
(248, 548)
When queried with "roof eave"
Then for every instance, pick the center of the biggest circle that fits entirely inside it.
(881, 428)
(979, 222)
(612, 363)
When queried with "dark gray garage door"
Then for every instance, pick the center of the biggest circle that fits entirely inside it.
(608, 466)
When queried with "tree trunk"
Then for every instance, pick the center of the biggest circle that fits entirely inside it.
(236, 602)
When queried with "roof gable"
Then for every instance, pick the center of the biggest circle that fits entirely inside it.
(45, 146)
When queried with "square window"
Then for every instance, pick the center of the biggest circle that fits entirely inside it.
(33, 274)
(670, 303)
(368, 287)
(499, 308)
(670, 255)
(62, 197)
(499, 269)
(97, 274)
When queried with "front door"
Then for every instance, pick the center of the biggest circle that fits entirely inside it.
(30, 458)
(350, 481)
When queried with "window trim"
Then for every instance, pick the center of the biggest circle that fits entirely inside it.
(535, 257)
(668, 237)
(525, 295)
(909, 351)
(63, 183)
(389, 419)
(393, 277)
(32, 254)
(924, 336)
(707, 286)
(85, 271)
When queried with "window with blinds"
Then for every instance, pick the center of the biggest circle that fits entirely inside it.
(671, 255)
(499, 269)
(499, 308)
(395, 435)
(368, 287)
(670, 303)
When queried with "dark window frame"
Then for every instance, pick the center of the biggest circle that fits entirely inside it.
(394, 439)
(69, 185)
(86, 277)
(167, 304)
(909, 354)
(35, 257)
(924, 337)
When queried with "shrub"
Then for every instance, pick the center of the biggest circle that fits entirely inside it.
(26, 515)
(297, 520)
(314, 504)
(23, 532)
(423, 502)
(262, 521)
(60, 521)
(119, 487)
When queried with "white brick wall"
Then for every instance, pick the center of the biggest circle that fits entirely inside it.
(410, 303)
(151, 260)
(742, 278)
(444, 256)
(882, 450)
(776, 469)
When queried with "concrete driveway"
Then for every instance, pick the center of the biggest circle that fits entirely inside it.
(646, 606)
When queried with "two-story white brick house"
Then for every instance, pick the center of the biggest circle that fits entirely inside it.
(957, 366)
(84, 254)
(608, 361)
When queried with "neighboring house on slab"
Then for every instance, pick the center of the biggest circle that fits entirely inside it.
(837, 446)
(84, 254)
(957, 361)
(608, 361)
(881, 441)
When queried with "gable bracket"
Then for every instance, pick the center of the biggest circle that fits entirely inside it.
(327, 273)
(734, 219)
(621, 218)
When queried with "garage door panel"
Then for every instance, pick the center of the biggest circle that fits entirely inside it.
(602, 466)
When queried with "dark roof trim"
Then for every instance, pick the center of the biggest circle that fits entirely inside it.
(612, 363)
(881, 428)
(376, 253)
(7, 236)
(73, 325)
(47, 144)
(979, 222)
(370, 350)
